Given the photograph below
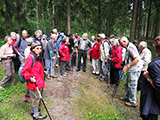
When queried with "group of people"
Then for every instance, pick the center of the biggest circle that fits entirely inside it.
(112, 58)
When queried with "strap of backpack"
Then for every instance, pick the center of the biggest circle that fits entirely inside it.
(32, 59)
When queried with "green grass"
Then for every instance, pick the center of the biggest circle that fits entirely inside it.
(94, 106)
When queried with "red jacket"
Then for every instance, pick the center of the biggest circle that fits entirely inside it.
(64, 52)
(117, 56)
(36, 70)
(95, 51)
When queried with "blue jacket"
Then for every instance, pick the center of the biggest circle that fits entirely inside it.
(148, 103)
(22, 44)
(59, 40)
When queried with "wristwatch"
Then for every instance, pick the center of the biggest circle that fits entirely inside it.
(128, 66)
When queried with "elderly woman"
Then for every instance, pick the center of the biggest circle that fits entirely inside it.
(6, 55)
(116, 60)
(149, 107)
(34, 74)
(146, 56)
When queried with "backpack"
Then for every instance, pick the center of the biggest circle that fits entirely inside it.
(20, 77)
(110, 46)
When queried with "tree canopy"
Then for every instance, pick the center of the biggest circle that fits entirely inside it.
(77, 16)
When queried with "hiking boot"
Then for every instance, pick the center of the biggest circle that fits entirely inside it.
(129, 104)
(26, 99)
(124, 99)
(48, 77)
(2, 88)
(78, 70)
(54, 76)
(39, 117)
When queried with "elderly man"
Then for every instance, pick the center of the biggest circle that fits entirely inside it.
(133, 66)
(146, 56)
(104, 55)
(50, 54)
(22, 44)
(83, 46)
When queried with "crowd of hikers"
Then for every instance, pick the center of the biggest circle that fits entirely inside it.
(110, 58)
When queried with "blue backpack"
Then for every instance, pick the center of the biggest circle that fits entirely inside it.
(20, 77)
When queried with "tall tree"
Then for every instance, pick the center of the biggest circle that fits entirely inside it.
(134, 19)
(69, 17)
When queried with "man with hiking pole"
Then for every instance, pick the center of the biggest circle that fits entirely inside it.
(133, 66)
(49, 55)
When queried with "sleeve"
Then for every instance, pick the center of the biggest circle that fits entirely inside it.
(26, 71)
(106, 50)
(147, 58)
(61, 50)
(50, 48)
(118, 55)
(16, 45)
(2, 53)
(154, 72)
(133, 52)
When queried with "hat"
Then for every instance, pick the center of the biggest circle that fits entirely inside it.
(102, 35)
(143, 44)
(112, 35)
(29, 41)
(135, 41)
(34, 44)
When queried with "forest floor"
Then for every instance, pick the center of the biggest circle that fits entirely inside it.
(78, 96)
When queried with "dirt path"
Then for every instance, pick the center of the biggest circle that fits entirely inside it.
(60, 95)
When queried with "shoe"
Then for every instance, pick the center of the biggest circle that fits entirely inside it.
(32, 113)
(2, 88)
(48, 77)
(93, 72)
(113, 85)
(131, 104)
(78, 70)
(97, 73)
(39, 117)
(124, 99)
(101, 79)
(56, 65)
(84, 70)
(54, 76)
(65, 73)
(26, 99)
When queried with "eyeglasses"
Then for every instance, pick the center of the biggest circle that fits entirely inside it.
(38, 48)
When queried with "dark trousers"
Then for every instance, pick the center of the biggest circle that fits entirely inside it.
(114, 75)
(82, 53)
(149, 117)
(141, 78)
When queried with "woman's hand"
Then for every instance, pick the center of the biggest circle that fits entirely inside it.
(33, 79)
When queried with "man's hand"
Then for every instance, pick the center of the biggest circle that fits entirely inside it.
(53, 58)
(125, 69)
(146, 74)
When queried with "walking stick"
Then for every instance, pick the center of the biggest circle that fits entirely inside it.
(42, 101)
(50, 53)
(114, 93)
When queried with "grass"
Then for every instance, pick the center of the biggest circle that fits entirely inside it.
(93, 107)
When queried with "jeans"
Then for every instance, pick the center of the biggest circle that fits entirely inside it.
(131, 85)
(50, 67)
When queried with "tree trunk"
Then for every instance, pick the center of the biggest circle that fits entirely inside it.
(134, 19)
(156, 22)
(38, 15)
(142, 27)
(99, 16)
(53, 13)
(42, 12)
(69, 17)
(148, 21)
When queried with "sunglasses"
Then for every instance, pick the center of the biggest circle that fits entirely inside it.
(38, 48)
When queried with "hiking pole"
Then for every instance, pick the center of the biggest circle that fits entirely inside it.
(42, 100)
(50, 53)
(114, 93)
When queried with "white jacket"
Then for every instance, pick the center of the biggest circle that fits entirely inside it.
(104, 49)
(146, 56)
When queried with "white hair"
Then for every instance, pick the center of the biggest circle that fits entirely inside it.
(12, 33)
(116, 41)
(143, 44)
(123, 38)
